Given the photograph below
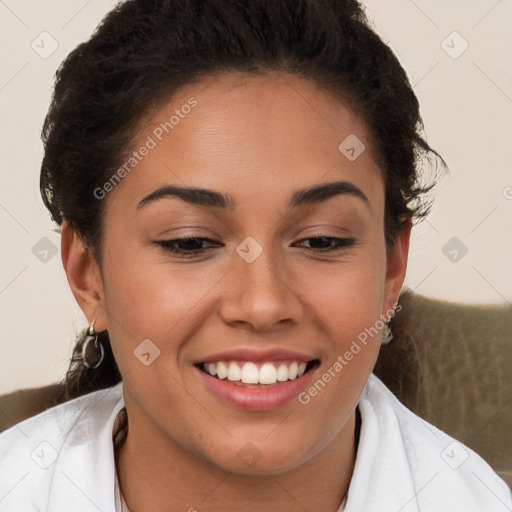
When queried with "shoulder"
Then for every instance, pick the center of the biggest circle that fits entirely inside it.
(444, 468)
(58, 420)
(34, 451)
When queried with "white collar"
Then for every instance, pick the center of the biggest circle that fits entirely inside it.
(86, 460)
(401, 462)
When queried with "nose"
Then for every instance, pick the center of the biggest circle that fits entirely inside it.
(260, 294)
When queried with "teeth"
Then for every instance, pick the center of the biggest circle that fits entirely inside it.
(293, 371)
(268, 374)
(222, 370)
(234, 372)
(282, 373)
(249, 373)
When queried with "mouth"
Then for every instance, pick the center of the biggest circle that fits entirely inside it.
(256, 385)
(257, 374)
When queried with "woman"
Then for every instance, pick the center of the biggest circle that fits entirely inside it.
(236, 184)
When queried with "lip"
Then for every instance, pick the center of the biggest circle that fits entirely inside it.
(256, 356)
(256, 399)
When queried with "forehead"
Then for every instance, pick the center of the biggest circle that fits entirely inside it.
(250, 135)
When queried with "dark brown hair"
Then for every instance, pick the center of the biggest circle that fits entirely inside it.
(145, 50)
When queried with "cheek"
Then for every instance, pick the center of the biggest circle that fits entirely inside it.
(348, 304)
(351, 293)
(147, 297)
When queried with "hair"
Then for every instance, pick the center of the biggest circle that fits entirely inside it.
(144, 51)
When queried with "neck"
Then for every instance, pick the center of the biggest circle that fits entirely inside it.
(164, 475)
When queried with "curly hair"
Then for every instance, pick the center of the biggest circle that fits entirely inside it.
(144, 51)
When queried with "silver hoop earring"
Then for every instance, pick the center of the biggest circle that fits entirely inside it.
(99, 350)
(387, 335)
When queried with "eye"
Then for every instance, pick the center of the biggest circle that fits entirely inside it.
(191, 246)
(328, 243)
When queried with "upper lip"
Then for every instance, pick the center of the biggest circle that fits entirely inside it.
(256, 355)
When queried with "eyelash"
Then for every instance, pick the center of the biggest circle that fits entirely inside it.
(171, 245)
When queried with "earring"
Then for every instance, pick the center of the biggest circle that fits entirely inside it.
(387, 335)
(96, 360)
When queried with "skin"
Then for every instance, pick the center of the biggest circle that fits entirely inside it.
(258, 139)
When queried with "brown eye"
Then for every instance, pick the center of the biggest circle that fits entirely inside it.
(328, 243)
(191, 246)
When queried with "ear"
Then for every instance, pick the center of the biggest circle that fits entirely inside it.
(397, 267)
(84, 277)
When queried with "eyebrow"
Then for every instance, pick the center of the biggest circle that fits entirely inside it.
(212, 199)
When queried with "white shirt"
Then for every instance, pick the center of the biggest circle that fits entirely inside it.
(63, 460)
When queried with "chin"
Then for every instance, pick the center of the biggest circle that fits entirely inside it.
(259, 457)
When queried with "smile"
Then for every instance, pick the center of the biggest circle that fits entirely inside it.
(249, 372)
(256, 385)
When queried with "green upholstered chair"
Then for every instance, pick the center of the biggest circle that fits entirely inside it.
(449, 363)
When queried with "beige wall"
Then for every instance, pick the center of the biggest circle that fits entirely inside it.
(467, 107)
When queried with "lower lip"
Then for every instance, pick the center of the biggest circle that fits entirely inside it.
(256, 399)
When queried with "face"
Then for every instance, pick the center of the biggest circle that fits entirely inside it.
(275, 273)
